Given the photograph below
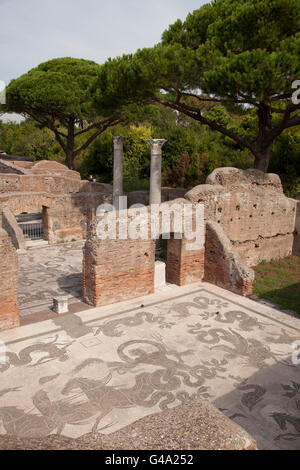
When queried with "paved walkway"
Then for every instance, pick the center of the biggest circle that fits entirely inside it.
(107, 367)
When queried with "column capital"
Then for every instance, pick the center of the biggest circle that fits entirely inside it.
(118, 142)
(156, 144)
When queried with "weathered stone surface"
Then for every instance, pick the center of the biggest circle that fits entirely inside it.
(9, 309)
(118, 269)
(60, 304)
(257, 217)
(205, 193)
(10, 224)
(118, 170)
(68, 215)
(102, 369)
(223, 267)
(66, 201)
(155, 173)
(7, 168)
(233, 177)
(296, 247)
(183, 266)
(142, 197)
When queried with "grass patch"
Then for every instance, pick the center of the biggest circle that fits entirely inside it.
(279, 282)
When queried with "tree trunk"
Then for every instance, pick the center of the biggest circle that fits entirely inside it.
(263, 145)
(262, 160)
(70, 145)
(70, 158)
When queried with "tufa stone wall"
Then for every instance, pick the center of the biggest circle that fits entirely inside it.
(253, 211)
(223, 266)
(296, 248)
(9, 309)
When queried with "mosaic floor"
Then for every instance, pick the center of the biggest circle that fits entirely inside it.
(101, 370)
(48, 271)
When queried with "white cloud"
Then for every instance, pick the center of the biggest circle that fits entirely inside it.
(35, 31)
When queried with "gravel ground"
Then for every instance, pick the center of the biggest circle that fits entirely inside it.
(194, 426)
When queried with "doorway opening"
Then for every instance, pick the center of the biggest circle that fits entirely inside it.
(31, 226)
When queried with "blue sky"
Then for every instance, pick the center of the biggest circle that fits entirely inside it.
(33, 31)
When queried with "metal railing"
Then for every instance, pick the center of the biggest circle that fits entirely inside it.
(32, 231)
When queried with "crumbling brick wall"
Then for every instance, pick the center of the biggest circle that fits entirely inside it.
(9, 309)
(11, 226)
(68, 215)
(183, 266)
(117, 270)
(253, 211)
(65, 201)
(120, 269)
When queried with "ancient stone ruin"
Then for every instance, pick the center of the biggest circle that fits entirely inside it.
(247, 219)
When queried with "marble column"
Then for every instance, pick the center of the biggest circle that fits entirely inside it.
(155, 179)
(118, 170)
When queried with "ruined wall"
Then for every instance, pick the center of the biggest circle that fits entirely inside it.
(183, 266)
(296, 247)
(253, 211)
(11, 226)
(142, 197)
(68, 215)
(39, 183)
(31, 202)
(9, 309)
(51, 188)
(118, 269)
(223, 266)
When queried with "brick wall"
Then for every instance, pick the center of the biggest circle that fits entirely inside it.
(67, 218)
(116, 270)
(49, 187)
(9, 309)
(183, 266)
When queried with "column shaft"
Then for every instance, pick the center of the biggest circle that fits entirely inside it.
(118, 170)
(155, 178)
